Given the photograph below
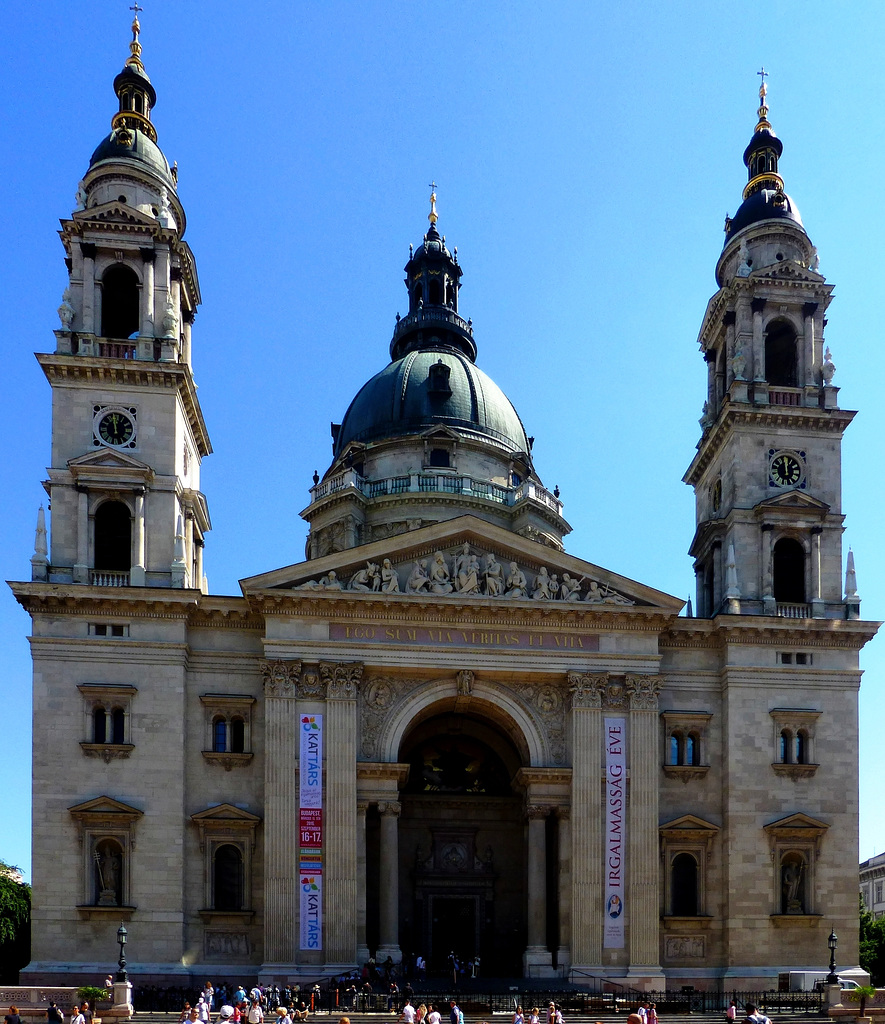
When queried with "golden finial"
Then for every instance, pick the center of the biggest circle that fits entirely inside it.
(135, 45)
(433, 216)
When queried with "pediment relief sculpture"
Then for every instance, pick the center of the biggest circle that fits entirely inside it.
(469, 573)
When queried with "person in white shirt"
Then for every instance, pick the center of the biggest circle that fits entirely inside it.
(433, 1016)
(408, 1014)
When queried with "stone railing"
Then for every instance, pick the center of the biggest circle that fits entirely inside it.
(785, 396)
(793, 611)
(445, 483)
(104, 578)
(435, 314)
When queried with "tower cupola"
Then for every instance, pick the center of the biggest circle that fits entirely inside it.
(134, 90)
(433, 279)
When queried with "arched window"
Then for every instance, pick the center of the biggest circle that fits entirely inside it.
(118, 724)
(119, 302)
(801, 747)
(108, 874)
(237, 736)
(674, 749)
(786, 747)
(99, 726)
(113, 537)
(433, 293)
(417, 295)
(139, 103)
(788, 567)
(693, 749)
(684, 886)
(219, 735)
(781, 367)
(450, 294)
(228, 878)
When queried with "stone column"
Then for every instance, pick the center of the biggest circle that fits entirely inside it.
(81, 566)
(136, 574)
(537, 879)
(340, 853)
(757, 305)
(563, 952)
(643, 904)
(189, 547)
(87, 250)
(817, 603)
(389, 916)
(199, 580)
(813, 358)
(161, 284)
(729, 321)
(362, 949)
(147, 294)
(769, 607)
(586, 820)
(281, 679)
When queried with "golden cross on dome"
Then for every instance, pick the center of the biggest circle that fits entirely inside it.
(433, 217)
(763, 74)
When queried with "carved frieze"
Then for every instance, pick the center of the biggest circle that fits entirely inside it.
(684, 947)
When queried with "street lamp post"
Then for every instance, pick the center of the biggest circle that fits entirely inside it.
(832, 978)
(121, 941)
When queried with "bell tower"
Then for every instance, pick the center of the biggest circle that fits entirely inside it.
(767, 474)
(128, 435)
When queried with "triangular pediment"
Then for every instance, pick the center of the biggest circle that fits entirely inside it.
(107, 458)
(105, 806)
(793, 500)
(441, 431)
(797, 821)
(115, 212)
(224, 813)
(392, 568)
(786, 270)
(689, 823)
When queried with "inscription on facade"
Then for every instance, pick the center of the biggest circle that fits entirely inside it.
(445, 637)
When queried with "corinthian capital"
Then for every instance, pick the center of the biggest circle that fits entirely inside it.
(586, 690)
(281, 678)
(643, 692)
(341, 679)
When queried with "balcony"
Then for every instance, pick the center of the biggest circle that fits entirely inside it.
(785, 396)
(437, 315)
(793, 611)
(107, 578)
(438, 483)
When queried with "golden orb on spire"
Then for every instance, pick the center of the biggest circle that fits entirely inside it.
(433, 216)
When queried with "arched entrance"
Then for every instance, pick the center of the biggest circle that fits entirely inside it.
(462, 845)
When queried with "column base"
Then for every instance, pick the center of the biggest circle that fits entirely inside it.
(362, 955)
(647, 978)
(537, 962)
(563, 961)
(385, 951)
(818, 608)
(136, 576)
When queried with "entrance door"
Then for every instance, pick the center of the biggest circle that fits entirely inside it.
(454, 927)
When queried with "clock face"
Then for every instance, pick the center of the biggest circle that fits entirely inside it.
(116, 428)
(785, 470)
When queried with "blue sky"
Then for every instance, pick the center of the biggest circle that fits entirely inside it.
(585, 154)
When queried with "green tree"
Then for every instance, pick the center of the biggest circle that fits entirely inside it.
(15, 923)
(872, 945)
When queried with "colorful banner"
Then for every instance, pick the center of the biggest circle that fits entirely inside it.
(615, 831)
(310, 831)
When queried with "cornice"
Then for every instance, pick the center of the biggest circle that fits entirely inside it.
(81, 599)
(768, 630)
(131, 373)
(733, 416)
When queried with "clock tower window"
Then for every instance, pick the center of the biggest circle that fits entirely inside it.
(113, 537)
(119, 302)
(788, 570)
(781, 363)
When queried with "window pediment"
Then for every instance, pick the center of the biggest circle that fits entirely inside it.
(689, 828)
(796, 826)
(105, 810)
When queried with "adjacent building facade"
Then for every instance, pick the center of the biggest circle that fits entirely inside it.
(441, 730)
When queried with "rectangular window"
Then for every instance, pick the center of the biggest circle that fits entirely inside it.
(878, 892)
(108, 629)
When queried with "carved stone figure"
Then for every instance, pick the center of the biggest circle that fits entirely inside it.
(604, 595)
(330, 581)
(366, 579)
(542, 585)
(389, 578)
(468, 575)
(440, 579)
(738, 364)
(828, 369)
(554, 586)
(494, 576)
(80, 197)
(419, 581)
(744, 268)
(517, 585)
(66, 310)
(570, 588)
(460, 562)
(791, 880)
(170, 320)
(165, 216)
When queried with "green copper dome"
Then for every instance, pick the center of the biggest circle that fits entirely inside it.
(426, 388)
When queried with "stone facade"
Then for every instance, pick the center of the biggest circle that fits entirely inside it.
(466, 668)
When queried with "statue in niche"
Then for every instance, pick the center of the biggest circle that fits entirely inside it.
(791, 883)
(517, 584)
(389, 578)
(494, 576)
(570, 588)
(66, 310)
(542, 585)
(108, 864)
(419, 580)
(367, 579)
(440, 578)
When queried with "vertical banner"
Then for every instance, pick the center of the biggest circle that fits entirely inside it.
(615, 832)
(310, 831)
